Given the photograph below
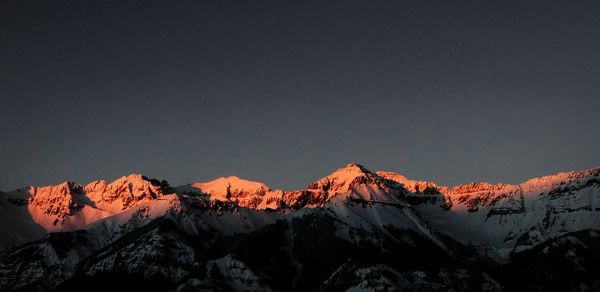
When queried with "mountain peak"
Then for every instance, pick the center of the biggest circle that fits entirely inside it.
(231, 187)
(353, 165)
(125, 192)
(132, 178)
(350, 171)
(53, 204)
(357, 182)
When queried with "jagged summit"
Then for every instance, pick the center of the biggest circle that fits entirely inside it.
(69, 206)
(125, 192)
(52, 205)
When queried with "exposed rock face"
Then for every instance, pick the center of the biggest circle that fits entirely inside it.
(58, 202)
(70, 206)
(125, 192)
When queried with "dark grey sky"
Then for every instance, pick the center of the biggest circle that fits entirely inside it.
(285, 92)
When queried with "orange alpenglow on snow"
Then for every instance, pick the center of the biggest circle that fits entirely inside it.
(69, 206)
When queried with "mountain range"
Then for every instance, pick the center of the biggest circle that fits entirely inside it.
(353, 230)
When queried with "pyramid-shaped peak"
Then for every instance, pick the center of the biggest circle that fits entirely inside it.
(354, 168)
(351, 170)
(343, 177)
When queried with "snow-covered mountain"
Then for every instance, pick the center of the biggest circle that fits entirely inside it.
(511, 218)
(352, 230)
(31, 212)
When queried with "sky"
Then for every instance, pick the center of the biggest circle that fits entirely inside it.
(286, 92)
